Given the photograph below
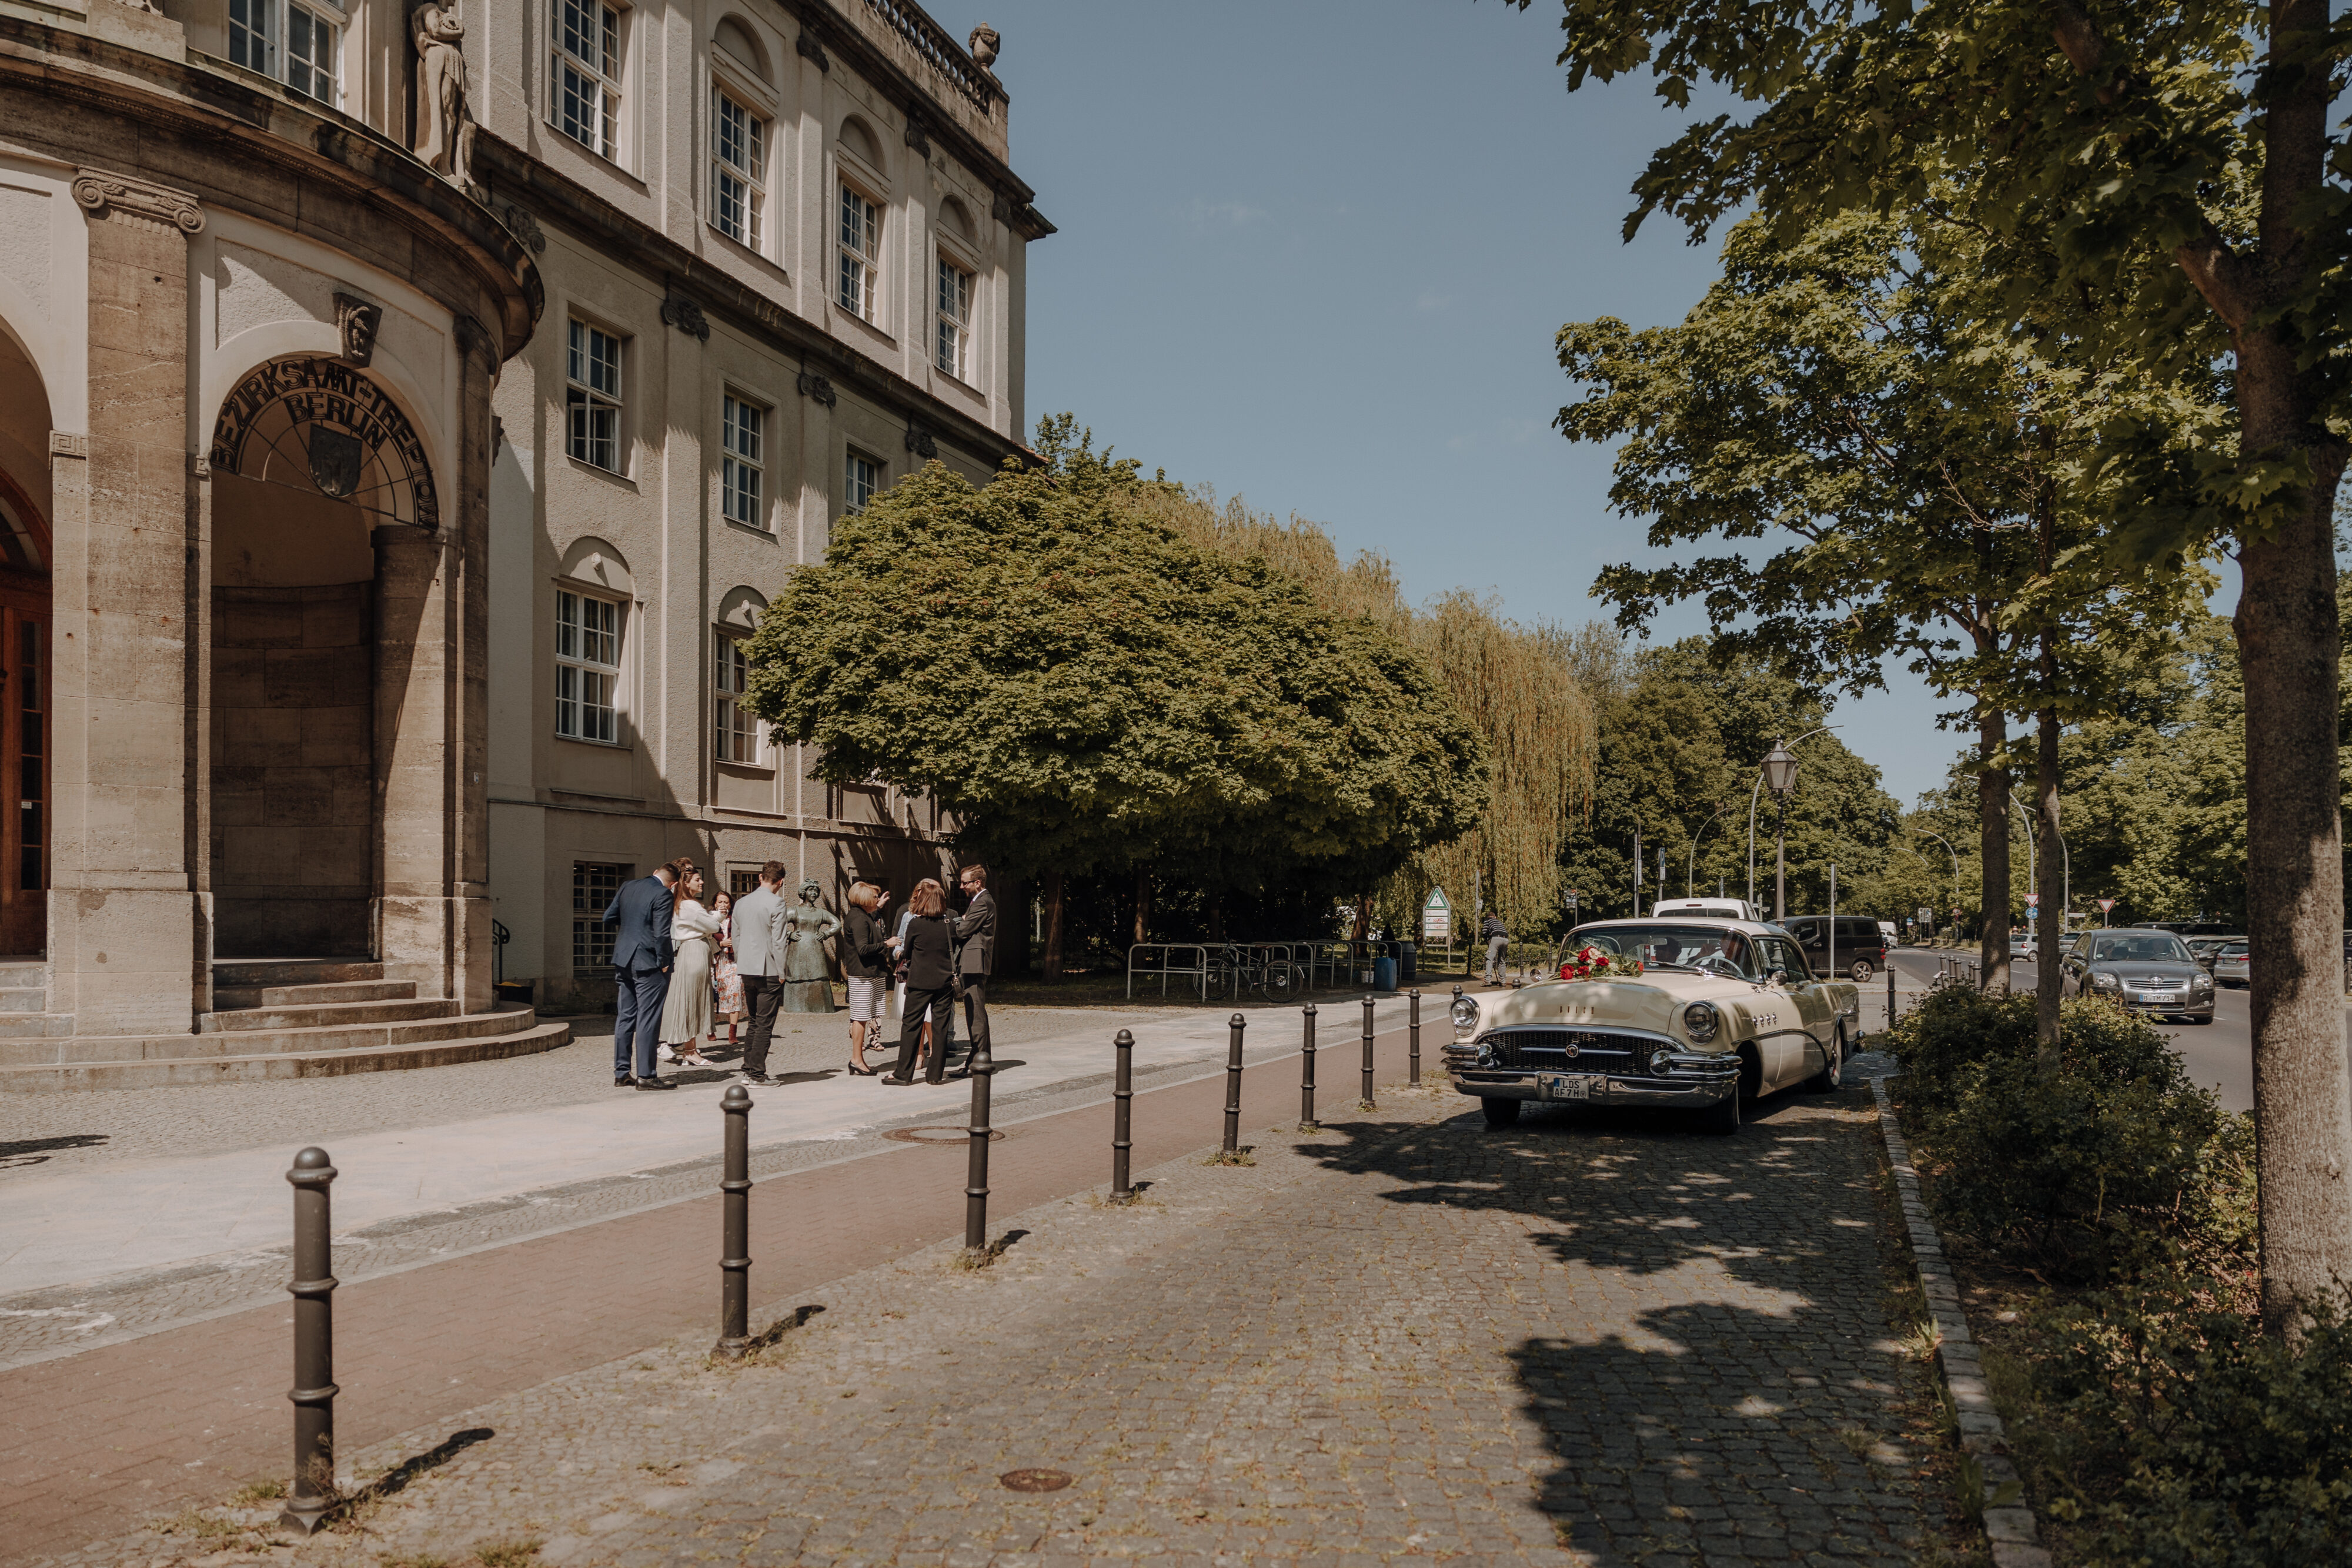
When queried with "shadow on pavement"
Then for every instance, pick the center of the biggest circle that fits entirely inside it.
(1704, 1347)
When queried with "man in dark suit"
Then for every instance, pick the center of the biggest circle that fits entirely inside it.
(975, 938)
(641, 963)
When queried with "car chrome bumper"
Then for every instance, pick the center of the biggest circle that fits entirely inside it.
(1688, 1090)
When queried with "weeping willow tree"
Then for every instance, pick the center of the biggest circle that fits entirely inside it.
(1522, 688)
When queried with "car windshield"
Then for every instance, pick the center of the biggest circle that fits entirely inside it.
(1672, 946)
(2141, 947)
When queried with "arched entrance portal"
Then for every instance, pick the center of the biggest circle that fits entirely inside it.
(318, 476)
(24, 696)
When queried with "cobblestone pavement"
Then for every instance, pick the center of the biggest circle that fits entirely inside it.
(1598, 1340)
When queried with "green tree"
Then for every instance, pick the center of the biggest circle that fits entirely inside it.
(1082, 688)
(2181, 158)
(1843, 394)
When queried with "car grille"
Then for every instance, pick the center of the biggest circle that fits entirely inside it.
(1588, 1049)
(2156, 983)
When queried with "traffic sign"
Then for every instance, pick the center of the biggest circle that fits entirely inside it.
(2107, 906)
(1437, 918)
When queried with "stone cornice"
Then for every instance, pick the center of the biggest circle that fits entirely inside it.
(208, 110)
(556, 199)
(921, 106)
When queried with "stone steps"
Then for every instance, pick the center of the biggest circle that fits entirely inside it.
(237, 972)
(230, 999)
(242, 1020)
(82, 1049)
(299, 1062)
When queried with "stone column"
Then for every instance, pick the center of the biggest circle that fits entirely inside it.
(432, 911)
(130, 929)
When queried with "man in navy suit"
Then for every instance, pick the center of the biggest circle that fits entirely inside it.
(641, 963)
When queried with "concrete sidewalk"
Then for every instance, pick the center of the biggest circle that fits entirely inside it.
(85, 1226)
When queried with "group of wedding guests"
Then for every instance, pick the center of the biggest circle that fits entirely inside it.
(681, 965)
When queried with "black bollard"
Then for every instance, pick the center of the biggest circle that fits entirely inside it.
(1890, 994)
(312, 1494)
(1122, 1094)
(1306, 1077)
(975, 1192)
(1368, 1053)
(1412, 1039)
(1234, 1082)
(735, 1205)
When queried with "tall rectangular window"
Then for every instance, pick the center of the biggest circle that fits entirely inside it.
(587, 72)
(733, 730)
(954, 348)
(587, 665)
(592, 367)
(740, 425)
(858, 484)
(861, 253)
(289, 43)
(594, 888)
(738, 157)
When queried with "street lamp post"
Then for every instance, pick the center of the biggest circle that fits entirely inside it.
(1780, 776)
(1690, 860)
(1956, 873)
(1758, 790)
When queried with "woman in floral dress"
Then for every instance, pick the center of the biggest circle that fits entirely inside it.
(728, 979)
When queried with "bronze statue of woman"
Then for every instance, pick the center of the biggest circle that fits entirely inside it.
(806, 927)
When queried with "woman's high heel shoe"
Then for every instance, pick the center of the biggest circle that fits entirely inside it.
(858, 1072)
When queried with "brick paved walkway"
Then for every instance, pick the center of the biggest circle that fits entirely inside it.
(1601, 1341)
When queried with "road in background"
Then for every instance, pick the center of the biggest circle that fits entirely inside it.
(2218, 1055)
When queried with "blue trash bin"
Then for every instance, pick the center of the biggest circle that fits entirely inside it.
(1385, 973)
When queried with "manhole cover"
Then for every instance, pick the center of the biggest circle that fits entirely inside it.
(939, 1134)
(1035, 1481)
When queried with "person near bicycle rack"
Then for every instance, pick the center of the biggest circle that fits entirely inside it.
(1498, 937)
(927, 944)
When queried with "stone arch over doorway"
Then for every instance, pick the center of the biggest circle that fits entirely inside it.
(318, 480)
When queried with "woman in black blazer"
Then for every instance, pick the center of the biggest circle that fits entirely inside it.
(927, 944)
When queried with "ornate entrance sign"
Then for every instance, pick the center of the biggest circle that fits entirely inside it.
(320, 424)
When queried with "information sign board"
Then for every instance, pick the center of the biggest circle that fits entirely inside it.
(1437, 918)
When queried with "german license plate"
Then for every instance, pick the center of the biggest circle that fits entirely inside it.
(1566, 1085)
(2159, 997)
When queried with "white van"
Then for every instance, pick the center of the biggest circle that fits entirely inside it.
(1719, 908)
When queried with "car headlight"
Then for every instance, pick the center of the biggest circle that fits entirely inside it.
(2102, 980)
(1465, 1013)
(2202, 982)
(1700, 1021)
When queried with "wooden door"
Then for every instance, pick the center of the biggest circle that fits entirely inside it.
(24, 773)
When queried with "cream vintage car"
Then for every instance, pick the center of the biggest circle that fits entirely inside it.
(1721, 1010)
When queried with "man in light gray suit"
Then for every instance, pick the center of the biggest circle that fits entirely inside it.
(976, 944)
(759, 923)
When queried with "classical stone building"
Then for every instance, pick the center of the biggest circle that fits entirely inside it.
(404, 412)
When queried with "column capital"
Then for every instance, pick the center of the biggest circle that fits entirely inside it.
(100, 193)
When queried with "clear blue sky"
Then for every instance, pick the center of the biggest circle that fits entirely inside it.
(1315, 253)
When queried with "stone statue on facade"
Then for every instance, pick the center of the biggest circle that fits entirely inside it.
(985, 41)
(445, 116)
(807, 926)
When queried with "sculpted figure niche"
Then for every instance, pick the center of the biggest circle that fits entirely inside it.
(444, 118)
(806, 927)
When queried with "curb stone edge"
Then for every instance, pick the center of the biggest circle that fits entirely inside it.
(2012, 1533)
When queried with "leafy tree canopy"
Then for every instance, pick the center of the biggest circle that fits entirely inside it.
(1081, 687)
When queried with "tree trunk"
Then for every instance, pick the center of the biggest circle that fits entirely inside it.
(1217, 915)
(1142, 906)
(2051, 934)
(1992, 841)
(2287, 648)
(1053, 927)
(1363, 926)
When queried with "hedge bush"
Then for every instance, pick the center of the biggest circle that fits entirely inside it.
(2173, 1432)
(2114, 1164)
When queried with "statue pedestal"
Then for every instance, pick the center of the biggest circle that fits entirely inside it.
(806, 997)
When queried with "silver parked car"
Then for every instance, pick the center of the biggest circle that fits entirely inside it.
(2146, 970)
(2229, 962)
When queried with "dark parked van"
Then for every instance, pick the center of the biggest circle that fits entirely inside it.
(1861, 945)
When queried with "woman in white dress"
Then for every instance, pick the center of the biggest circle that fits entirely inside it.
(686, 1016)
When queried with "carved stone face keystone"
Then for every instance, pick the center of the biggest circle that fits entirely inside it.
(356, 321)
